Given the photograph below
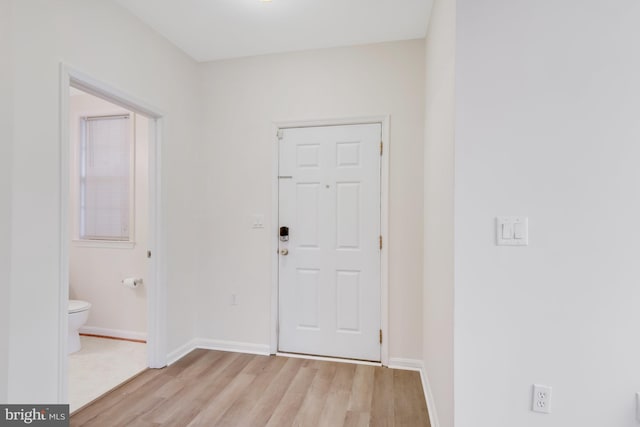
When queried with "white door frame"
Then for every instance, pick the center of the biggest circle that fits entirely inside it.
(383, 120)
(156, 293)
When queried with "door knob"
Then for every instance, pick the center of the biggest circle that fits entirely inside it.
(284, 251)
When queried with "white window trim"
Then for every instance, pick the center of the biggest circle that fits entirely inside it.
(113, 244)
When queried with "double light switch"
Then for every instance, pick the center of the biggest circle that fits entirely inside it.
(512, 231)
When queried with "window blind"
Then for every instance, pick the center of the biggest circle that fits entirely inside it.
(105, 172)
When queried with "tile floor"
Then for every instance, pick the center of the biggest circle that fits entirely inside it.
(100, 365)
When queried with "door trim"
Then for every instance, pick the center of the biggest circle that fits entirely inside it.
(156, 294)
(383, 120)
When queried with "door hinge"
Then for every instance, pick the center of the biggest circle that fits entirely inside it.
(381, 145)
(280, 134)
(380, 336)
(380, 242)
(148, 254)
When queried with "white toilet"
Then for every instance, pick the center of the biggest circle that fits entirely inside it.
(78, 315)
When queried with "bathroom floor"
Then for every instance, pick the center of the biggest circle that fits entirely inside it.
(100, 365)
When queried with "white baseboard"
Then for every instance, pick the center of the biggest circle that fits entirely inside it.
(116, 333)
(238, 347)
(418, 365)
(428, 395)
(248, 348)
(181, 351)
(406, 364)
(209, 344)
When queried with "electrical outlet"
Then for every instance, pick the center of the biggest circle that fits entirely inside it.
(257, 221)
(541, 399)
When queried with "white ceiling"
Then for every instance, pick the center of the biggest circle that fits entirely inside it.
(216, 29)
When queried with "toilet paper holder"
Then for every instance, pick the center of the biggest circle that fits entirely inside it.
(132, 282)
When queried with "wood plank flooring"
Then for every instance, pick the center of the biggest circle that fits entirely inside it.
(213, 388)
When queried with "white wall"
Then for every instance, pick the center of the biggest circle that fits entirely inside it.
(6, 68)
(438, 211)
(103, 40)
(97, 270)
(548, 126)
(243, 97)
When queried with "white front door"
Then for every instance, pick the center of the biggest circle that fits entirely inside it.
(329, 269)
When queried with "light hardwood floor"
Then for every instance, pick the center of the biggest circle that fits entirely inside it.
(213, 388)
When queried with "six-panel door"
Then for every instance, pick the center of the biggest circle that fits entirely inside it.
(329, 280)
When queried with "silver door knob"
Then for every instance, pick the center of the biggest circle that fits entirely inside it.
(284, 251)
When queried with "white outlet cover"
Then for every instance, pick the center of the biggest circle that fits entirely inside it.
(541, 400)
(257, 221)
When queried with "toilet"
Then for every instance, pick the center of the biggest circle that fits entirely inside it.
(78, 315)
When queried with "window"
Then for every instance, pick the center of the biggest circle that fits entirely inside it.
(106, 178)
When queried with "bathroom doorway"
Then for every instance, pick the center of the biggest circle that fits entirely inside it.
(112, 287)
(108, 224)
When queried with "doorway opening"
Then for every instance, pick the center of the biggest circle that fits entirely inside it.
(330, 291)
(108, 218)
(112, 289)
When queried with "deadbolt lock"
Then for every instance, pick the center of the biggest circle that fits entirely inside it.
(284, 234)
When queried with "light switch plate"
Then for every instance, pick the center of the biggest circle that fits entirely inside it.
(512, 231)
